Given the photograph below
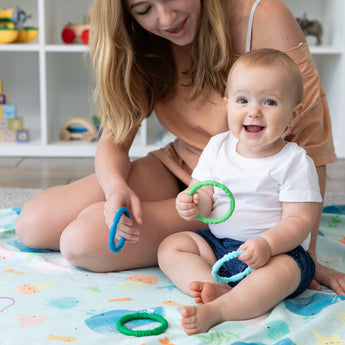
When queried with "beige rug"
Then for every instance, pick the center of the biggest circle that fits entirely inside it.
(16, 197)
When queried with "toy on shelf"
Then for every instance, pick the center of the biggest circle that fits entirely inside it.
(11, 26)
(11, 126)
(76, 31)
(311, 28)
(78, 128)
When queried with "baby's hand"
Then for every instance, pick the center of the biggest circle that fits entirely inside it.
(257, 252)
(187, 205)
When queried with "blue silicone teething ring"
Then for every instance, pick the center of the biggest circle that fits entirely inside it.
(116, 248)
(220, 263)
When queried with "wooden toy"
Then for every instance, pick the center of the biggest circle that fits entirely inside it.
(78, 128)
(72, 31)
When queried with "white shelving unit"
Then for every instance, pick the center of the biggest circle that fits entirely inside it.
(50, 82)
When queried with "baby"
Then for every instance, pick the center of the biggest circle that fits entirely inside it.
(276, 191)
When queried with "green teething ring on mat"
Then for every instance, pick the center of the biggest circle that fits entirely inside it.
(140, 316)
(200, 184)
(221, 262)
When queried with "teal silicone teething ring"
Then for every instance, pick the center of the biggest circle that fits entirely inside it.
(200, 184)
(139, 316)
(220, 263)
(112, 234)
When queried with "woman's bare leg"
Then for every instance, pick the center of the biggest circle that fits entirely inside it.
(71, 219)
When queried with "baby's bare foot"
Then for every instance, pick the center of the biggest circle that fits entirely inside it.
(207, 292)
(199, 319)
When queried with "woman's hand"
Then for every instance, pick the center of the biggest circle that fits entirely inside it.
(187, 206)
(127, 227)
(257, 252)
(328, 277)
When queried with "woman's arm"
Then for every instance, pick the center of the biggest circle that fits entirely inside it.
(112, 165)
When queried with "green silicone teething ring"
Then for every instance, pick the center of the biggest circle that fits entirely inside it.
(200, 184)
(139, 316)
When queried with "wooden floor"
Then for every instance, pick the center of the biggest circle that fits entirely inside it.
(47, 172)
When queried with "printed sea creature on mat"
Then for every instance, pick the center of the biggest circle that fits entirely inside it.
(334, 221)
(61, 338)
(64, 302)
(15, 272)
(21, 247)
(6, 254)
(106, 322)
(138, 281)
(342, 240)
(30, 320)
(165, 341)
(218, 337)
(276, 329)
(5, 303)
(333, 339)
(174, 304)
(312, 305)
(123, 299)
(28, 289)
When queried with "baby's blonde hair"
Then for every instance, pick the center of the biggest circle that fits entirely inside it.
(134, 69)
(267, 57)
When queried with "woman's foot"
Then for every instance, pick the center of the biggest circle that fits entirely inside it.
(207, 292)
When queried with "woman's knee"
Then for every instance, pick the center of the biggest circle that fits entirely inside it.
(30, 228)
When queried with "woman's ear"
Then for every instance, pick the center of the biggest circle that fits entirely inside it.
(225, 99)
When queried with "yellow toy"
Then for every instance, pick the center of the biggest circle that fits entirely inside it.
(11, 26)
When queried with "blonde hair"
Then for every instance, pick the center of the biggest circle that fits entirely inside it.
(267, 57)
(134, 68)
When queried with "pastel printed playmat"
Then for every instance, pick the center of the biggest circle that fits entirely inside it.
(45, 300)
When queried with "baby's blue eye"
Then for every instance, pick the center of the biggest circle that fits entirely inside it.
(242, 101)
(270, 102)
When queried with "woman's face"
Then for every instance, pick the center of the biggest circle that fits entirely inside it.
(174, 20)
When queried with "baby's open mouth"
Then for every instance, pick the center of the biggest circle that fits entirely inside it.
(253, 128)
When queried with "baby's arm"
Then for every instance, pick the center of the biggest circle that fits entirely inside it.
(201, 202)
(295, 225)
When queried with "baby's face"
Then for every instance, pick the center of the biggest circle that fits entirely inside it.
(260, 105)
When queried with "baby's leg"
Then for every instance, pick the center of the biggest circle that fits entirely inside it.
(255, 295)
(186, 257)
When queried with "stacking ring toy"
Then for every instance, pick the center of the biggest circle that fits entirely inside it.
(112, 234)
(200, 184)
(220, 263)
(140, 316)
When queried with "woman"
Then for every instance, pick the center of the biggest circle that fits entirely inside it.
(171, 56)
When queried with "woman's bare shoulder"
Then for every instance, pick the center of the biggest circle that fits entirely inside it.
(275, 26)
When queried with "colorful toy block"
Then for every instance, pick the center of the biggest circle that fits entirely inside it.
(3, 98)
(10, 136)
(4, 123)
(16, 124)
(8, 111)
(22, 136)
